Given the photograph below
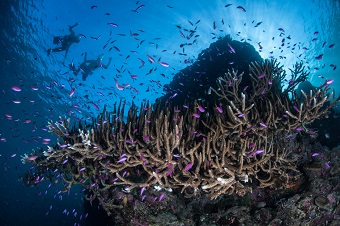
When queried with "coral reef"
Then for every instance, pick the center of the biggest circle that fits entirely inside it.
(192, 82)
(246, 140)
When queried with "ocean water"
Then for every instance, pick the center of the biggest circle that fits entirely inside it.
(37, 87)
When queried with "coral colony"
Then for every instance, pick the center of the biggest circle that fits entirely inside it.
(231, 146)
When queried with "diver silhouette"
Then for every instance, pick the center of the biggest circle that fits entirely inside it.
(88, 66)
(65, 41)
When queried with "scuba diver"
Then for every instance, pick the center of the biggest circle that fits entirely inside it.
(87, 66)
(65, 41)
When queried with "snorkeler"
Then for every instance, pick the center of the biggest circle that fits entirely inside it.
(87, 66)
(65, 41)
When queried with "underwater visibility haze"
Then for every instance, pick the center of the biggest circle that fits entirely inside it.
(169, 112)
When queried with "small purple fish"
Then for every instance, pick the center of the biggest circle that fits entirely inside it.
(32, 158)
(259, 151)
(122, 160)
(263, 125)
(142, 190)
(281, 29)
(319, 57)
(200, 108)
(113, 24)
(151, 60)
(16, 88)
(196, 115)
(315, 154)
(262, 75)
(219, 109)
(327, 165)
(164, 64)
(169, 173)
(141, 156)
(232, 50)
(251, 154)
(311, 132)
(161, 197)
(241, 8)
(188, 167)
(329, 81)
(296, 108)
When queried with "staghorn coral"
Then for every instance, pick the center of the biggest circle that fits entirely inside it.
(239, 144)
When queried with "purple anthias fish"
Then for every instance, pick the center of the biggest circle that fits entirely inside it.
(113, 24)
(232, 50)
(142, 190)
(255, 152)
(122, 160)
(263, 125)
(241, 8)
(262, 75)
(219, 109)
(200, 108)
(151, 60)
(161, 197)
(16, 88)
(196, 115)
(164, 64)
(296, 108)
(188, 166)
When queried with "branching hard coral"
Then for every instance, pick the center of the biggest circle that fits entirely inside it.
(231, 148)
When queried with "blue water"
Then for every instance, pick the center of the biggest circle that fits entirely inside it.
(46, 82)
